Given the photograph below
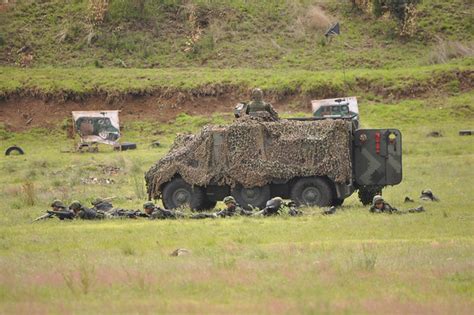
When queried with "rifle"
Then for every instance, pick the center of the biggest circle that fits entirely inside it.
(43, 217)
(60, 214)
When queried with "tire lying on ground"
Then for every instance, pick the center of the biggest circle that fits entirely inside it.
(13, 149)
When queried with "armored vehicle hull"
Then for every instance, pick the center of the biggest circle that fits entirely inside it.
(311, 162)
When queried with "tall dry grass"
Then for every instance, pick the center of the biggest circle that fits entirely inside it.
(446, 50)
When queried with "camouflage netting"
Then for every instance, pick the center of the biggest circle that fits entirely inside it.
(254, 153)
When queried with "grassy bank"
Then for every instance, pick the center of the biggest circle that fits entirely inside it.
(229, 33)
(72, 82)
(351, 262)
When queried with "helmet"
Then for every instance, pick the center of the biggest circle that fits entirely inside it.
(229, 199)
(148, 204)
(376, 199)
(274, 203)
(58, 204)
(427, 192)
(75, 205)
(257, 94)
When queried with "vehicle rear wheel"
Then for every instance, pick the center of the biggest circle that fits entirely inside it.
(179, 193)
(312, 191)
(255, 196)
(367, 193)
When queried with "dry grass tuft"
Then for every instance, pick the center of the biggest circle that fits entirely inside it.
(316, 19)
(446, 50)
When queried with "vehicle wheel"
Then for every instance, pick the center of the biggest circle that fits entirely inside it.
(178, 193)
(14, 149)
(337, 202)
(367, 193)
(312, 191)
(255, 196)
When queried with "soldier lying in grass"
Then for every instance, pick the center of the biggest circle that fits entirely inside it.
(380, 206)
(231, 209)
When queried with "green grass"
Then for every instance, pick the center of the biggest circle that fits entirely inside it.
(351, 262)
(44, 82)
(235, 33)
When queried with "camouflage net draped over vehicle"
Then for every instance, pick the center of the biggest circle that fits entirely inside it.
(254, 153)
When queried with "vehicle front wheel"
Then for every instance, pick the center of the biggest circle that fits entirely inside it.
(312, 191)
(178, 193)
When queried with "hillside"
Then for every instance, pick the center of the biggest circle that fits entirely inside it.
(233, 33)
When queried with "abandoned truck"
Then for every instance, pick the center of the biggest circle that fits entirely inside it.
(313, 162)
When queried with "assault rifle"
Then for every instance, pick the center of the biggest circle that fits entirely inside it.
(62, 215)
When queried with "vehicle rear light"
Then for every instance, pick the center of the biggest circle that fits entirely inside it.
(377, 142)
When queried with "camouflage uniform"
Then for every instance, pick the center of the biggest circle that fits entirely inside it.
(85, 213)
(386, 208)
(232, 209)
(155, 212)
(61, 211)
(257, 104)
(427, 195)
(273, 207)
(102, 205)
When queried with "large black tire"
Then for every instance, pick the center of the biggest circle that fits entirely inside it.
(367, 193)
(14, 148)
(312, 191)
(255, 196)
(178, 193)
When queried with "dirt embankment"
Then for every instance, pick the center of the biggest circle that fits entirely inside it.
(29, 108)
(22, 113)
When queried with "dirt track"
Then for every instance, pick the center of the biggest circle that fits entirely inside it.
(23, 113)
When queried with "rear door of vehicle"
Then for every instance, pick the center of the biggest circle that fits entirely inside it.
(378, 157)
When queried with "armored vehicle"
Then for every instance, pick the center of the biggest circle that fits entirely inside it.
(314, 162)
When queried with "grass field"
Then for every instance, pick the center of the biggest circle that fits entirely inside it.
(351, 262)
(83, 82)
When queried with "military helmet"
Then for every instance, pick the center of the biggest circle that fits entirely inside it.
(274, 203)
(426, 192)
(257, 94)
(75, 205)
(58, 204)
(229, 199)
(377, 198)
(148, 204)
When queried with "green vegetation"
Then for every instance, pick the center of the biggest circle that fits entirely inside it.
(349, 262)
(229, 33)
(412, 70)
(89, 81)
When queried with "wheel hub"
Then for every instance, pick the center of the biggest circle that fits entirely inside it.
(311, 195)
(181, 196)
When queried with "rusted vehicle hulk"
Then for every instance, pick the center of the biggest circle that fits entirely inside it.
(313, 162)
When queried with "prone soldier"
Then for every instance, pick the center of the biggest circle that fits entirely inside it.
(380, 206)
(59, 210)
(277, 206)
(84, 213)
(231, 209)
(155, 212)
